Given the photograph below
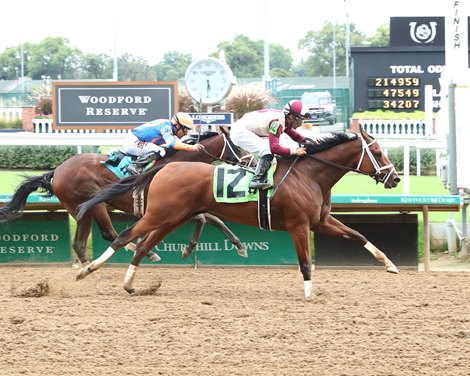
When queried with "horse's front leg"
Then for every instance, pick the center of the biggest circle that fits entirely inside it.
(143, 246)
(214, 221)
(137, 230)
(200, 220)
(333, 227)
(301, 237)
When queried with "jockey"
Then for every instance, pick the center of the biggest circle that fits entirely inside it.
(146, 140)
(258, 132)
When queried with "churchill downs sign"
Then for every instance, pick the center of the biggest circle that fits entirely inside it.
(112, 105)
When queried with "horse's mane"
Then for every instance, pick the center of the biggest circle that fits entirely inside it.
(329, 140)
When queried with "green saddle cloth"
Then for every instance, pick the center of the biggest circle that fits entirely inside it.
(117, 162)
(231, 184)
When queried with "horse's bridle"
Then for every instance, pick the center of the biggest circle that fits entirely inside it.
(380, 176)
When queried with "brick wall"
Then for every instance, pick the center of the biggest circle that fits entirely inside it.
(27, 118)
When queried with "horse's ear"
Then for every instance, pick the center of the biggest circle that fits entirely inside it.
(361, 130)
(223, 130)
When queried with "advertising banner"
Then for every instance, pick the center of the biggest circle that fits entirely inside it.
(112, 105)
(36, 238)
(214, 248)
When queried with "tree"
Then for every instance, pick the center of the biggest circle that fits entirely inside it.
(173, 66)
(10, 62)
(319, 46)
(55, 58)
(381, 37)
(133, 68)
(246, 57)
(96, 66)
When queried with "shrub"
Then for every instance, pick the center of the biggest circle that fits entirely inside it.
(38, 157)
(44, 106)
(243, 99)
(428, 161)
(11, 124)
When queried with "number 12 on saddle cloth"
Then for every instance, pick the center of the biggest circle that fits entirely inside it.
(231, 184)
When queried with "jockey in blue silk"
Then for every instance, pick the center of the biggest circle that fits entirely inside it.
(146, 140)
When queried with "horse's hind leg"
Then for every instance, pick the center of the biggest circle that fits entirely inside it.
(81, 236)
(137, 230)
(102, 218)
(333, 227)
(143, 246)
(214, 221)
(200, 220)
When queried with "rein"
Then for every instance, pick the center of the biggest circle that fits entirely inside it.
(378, 175)
(243, 161)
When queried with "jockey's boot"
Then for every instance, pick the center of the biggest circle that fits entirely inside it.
(260, 181)
(138, 165)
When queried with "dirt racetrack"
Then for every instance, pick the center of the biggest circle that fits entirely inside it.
(233, 321)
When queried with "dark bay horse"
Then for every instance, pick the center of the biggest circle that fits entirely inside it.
(77, 179)
(301, 203)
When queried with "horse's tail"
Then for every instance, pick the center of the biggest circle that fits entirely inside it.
(14, 208)
(131, 183)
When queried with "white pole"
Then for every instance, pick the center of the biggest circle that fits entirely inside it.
(266, 46)
(115, 65)
(347, 39)
(406, 169)
(428, 110)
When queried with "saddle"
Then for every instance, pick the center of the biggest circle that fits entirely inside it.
(116, 156)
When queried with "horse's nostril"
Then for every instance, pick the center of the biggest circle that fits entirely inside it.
(396, 180)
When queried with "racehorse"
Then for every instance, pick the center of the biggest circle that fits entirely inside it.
(77, 179)
(301, 202)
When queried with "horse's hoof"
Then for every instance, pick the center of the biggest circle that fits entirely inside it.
(186, 252)
(153, 257)
(392, 269)
(83, 273)
(131, 247)
(242, 251)
(131, 291)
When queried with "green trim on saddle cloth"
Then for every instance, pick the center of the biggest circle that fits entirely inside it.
(231, 184)
(117, 162)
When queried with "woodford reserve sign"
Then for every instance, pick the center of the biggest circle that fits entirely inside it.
(39, 237)
(112, 105)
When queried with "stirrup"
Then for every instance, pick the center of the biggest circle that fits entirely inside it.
(260, 185)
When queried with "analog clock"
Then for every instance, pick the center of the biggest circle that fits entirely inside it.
(209, 80)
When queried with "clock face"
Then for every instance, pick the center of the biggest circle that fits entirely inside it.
(208, 80)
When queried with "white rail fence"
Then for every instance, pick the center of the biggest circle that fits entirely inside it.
(392, 135)
(396, 128)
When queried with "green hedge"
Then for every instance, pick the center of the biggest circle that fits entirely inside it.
(11, 124)
(38, 157)
(428, 161)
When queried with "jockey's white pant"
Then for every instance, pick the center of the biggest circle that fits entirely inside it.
(138, 148)
(249, 141)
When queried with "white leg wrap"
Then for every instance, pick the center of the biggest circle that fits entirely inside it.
(371, 248)
(308, 289)
(102, 259)
(380, 256)
(129, 279)
(130, 247)
(155, 258)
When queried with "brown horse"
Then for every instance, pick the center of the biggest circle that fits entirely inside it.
(300, 203)
(77, 179)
